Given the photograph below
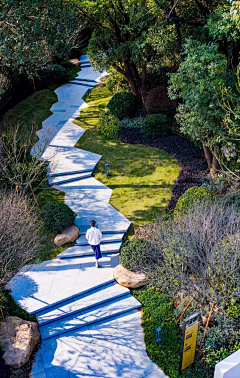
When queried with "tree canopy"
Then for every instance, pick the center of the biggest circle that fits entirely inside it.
(33, 32)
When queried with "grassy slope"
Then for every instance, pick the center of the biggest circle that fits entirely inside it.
(141, 177)
(32, 112)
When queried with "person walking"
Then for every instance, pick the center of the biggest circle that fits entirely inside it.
(94, 237)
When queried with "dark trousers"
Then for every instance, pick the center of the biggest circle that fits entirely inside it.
(97, 252)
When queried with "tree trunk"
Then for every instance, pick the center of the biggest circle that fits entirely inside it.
(1, 144)
(212, 159)
(144, 84)
(133, 80)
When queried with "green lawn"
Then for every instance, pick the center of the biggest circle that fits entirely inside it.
(32, 111)
(141, 177)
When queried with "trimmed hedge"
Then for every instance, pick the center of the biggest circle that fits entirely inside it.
(57, 216)
(196, 194)
(155, 125)
(134, 254)
(56, 73)
(109, 126)
(123, 104)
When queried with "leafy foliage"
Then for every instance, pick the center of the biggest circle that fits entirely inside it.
(134, 254)
(192, 196)
(198, 82)
(122, 105)
(116, 82)
(34, 32)
(57, 216)
(56, 73)
(109, 125)
(155, 125)
(132, 122)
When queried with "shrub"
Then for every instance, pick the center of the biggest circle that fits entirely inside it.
(56, 73)
(20, 234)
(57, 216)
(132, 122)
(134, 254)
(116, 82)
(123, 104)
(109, 125)
(158, 101)
(155, 125)
(193, 195)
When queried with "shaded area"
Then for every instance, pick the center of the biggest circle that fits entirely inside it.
(193, 166)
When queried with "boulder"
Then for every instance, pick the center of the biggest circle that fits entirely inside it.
(75, 61)
(129, 279)
(18, 337)
(67, 236)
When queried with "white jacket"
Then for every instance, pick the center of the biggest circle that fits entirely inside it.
(94, 236)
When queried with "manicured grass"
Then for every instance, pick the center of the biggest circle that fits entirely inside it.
(32, 111)
(158, 312)
(141, 177)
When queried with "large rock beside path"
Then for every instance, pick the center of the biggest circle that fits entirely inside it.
(129, 279)
(67, 236)
(18, 337)
(74, 61)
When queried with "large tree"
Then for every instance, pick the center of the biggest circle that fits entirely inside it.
(33, 33)
(199, 82)
(120, 38)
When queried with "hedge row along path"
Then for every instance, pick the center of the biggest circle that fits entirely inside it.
(90, 326)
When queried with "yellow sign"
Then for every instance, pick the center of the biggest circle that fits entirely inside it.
(189, 346)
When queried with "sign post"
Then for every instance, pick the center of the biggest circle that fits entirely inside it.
(189, 341)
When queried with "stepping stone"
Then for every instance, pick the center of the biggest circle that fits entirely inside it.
(68, 178)
(85, 65)
(43, 285)
(68, 135)
(69, 160)
(107, 238)
(85, 195)
(86, 250)
(106, 228)
(88, 183)
(82, 83)
(84, 318)
(86, 301)
(86, 80)
(84, 59)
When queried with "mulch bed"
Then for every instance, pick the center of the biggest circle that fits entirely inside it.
(191, 160)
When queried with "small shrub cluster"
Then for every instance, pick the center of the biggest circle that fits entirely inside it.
(158, 101)
(132, 122)
(192, 196)
(57, 216)
(122, 105)
(109, 125)
(135, 254)
(56, 73)
(155, 125)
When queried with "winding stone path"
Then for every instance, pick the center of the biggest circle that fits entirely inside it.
(90, 326)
